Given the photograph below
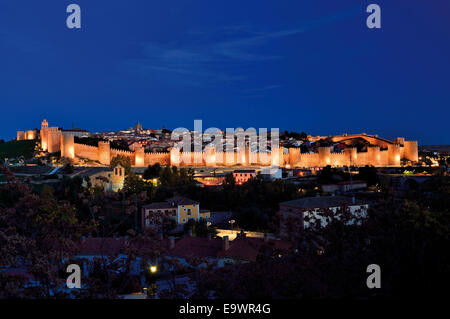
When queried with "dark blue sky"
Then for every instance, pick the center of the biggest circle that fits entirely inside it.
(308, 66)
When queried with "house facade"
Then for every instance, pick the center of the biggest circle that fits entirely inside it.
(180, 209)
(296, 215)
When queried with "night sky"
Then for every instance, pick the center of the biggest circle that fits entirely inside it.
(310, 66)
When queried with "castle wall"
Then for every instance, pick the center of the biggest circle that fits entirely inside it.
(86, 151)
(139, 157)
(44, 139)
(53, 139)
(153, 158)
(384, 157)
(109, 154)
(67, 146)
(27, 135)
(309, 160)
(294, 157)
(20, 135)
(31, 135)
(394, 155)
(411, 151)
(210, 156)
(324, 156)
(339, 159)
(374, 156)
(372, 139)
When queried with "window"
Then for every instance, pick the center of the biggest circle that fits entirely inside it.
(189, 212)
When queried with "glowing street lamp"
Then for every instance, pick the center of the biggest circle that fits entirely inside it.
(232, 221)
(153, 269)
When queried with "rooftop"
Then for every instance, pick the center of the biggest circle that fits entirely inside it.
(322, 202)
(171, 203)
(244, 171)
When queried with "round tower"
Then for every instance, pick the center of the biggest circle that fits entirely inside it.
(175, 156)
(373, 155)
(294, 156)
(276, 156)
(324, 156)
(394, 154)
(30, 135)
(53, 139)
(210, 155)
(411, 151)
(44, 135)
(68, 146)
(20, 135)
(104, 152)
(242, 156)
(139, 157)
(352, 155)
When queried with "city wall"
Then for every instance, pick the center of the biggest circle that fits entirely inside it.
(381, 153)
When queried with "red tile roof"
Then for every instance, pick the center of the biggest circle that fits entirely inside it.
(246, 248)
(242, 248)
(196, 247)
(98, 246)
(113, 246)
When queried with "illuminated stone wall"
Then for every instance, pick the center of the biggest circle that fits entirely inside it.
(382, 152)
(67, 146)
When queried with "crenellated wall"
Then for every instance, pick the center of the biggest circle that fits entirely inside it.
(381, 153)
(86, 151)
(114, 152)
(153, 158)
(349, 157)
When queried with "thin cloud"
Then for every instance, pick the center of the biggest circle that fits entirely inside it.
(210, 57)
(265, 88)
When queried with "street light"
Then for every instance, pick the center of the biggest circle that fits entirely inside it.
(232, 221)
(153, 269)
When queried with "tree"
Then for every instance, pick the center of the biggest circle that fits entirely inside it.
(199, 228)
(122, 160)
(36, 233)
(368, 174)
(68, 168)
(152, 171)
(133, 184)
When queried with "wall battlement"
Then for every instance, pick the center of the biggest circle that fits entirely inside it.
(382, 152)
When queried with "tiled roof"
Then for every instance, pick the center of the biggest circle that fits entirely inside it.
(246, 248)
(159, 205)
(242, 248)
(171, 203)
(98, 246)
(197, 247)
(179, 200)
(112, 246)
(322, 202)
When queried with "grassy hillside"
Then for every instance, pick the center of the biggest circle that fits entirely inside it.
(17, 148)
